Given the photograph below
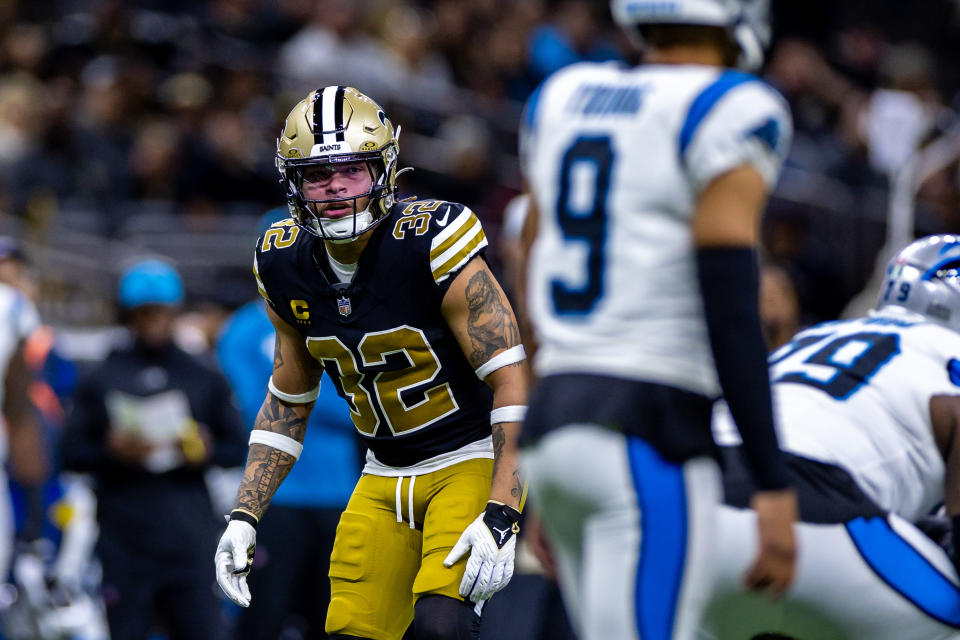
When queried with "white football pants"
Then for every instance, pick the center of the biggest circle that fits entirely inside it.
(632, 533)
(867, 579)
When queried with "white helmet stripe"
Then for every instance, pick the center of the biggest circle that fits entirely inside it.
(327, 120)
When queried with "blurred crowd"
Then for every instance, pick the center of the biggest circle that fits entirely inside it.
(119, 119)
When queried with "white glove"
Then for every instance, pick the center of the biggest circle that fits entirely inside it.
(493, 542)
(234, 558)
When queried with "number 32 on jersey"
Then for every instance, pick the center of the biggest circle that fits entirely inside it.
(389, 387)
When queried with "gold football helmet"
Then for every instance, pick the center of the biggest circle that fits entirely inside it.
(333, 126)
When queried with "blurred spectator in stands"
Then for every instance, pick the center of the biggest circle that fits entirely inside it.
(235, 173)
(415, 67)
(463, 168)
(155, 161)
(29, 168)
(791, 242)
(146, 423)
(335, 49)
(903, 111)
(294, 543)
(825, 105)
(779, 308)
(571, 35)
(103, 131)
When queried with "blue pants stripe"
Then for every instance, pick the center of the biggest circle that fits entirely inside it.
(662, 498)
(905, 569)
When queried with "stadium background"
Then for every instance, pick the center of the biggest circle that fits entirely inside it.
(149, 125)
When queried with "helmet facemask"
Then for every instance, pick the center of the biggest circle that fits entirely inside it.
(350, 222)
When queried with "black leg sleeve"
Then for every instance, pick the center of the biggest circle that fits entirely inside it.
(442, 618)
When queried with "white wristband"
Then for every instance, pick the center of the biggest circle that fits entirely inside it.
(294, 398)
(277, 441)
(509, 413)
(512, 355)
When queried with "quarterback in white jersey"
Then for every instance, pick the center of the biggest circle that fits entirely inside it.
(868, 413)
(647, 186)
(614, 288)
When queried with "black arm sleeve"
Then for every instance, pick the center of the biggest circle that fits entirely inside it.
(729, 283)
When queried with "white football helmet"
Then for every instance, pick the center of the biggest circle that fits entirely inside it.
(747, 21)
(924, 278)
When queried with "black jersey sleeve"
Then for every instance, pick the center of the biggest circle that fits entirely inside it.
(277, 265)
(451, 232)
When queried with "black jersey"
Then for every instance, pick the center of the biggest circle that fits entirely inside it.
(381, 338)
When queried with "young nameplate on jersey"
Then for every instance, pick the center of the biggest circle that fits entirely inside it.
(394, 300)
(868, 414)
(647, 185)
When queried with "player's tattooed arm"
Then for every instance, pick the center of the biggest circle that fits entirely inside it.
(478, 313)
(295, 372)
(499, 441)
(490, 324)
(267, 467)
(277, 352)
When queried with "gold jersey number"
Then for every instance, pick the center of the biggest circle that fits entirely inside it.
(280, 235)
(388, 386)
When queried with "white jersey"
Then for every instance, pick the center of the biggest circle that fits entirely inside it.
(616, 159)
(857, 394)
(18, 319)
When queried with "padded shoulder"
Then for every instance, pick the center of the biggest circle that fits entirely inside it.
(449, 233)
(278, 245)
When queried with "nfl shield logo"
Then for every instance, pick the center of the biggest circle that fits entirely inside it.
(343, 306)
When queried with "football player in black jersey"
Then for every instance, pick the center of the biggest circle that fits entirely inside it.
(396, 303)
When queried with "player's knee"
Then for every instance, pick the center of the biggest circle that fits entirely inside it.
(443, 618)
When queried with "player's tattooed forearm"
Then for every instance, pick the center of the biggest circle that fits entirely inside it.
(289, 420)
(277, 353)
(490, 323)
(499, 439)
(267, 467)
(265, 470)
(517, 489)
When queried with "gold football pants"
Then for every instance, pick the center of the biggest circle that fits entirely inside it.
(381, 564)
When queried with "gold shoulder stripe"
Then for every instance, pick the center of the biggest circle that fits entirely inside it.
(260, 287)
(466, 245)
(455, 230)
